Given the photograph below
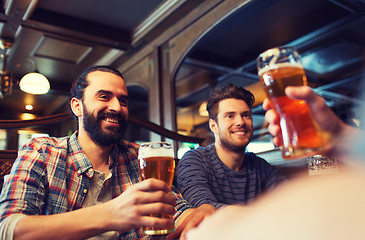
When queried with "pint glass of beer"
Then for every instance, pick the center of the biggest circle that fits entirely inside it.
(156, 160)
(277, 69)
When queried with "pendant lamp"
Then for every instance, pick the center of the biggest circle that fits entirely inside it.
(34, 83)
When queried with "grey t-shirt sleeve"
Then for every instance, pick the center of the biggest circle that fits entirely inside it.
(7, 226)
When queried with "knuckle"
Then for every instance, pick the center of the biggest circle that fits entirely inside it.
(147, 182)
(135, 199)
(161, 195)
(160, 207)
(154, 221)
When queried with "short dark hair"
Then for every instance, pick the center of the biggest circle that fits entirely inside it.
(78, 87)
(225, 92)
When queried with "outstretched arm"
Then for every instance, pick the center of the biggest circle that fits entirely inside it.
(129, 210)
(190, 219)
(193, 180)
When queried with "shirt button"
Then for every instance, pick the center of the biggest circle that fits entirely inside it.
(85, 190)
(90, 172)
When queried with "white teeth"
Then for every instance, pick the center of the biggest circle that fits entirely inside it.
(111, 120)
(240, 132)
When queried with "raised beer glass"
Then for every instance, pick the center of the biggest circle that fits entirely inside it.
(156, 160)
(278, 68)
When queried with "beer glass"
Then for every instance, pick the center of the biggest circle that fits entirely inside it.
(156, 160)
(278, 68)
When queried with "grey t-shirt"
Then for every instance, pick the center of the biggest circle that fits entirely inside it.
(100, 192)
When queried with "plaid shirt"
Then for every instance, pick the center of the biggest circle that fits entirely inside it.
(50, 176)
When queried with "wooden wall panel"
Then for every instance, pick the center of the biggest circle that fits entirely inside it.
(155, 65)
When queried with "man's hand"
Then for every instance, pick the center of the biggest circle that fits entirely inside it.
(132, 208)
(129, 210)
(191, 218)
(333, 129)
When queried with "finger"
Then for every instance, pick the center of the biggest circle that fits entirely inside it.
(152, 184)
(277, 141)
(272, 117)
(274, 130)
(266, 104)
(155, 208)
(320, 111)
(300, 92)
(153, 197)
(157, 222)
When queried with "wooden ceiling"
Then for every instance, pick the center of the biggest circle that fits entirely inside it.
(64, 37)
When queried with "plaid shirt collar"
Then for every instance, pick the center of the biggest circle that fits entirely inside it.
(81, 161)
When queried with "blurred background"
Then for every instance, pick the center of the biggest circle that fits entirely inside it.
(172, 54)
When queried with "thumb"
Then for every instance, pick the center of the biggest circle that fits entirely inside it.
(301, 93)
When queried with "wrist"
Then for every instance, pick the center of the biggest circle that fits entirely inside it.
(209, 209)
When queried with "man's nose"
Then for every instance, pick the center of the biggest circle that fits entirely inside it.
(114, 105)
(240, 121)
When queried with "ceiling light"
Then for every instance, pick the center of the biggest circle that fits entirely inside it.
(27, 116)
(34, 83)
(29, 107)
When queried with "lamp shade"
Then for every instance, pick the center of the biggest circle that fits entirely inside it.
(34, 83)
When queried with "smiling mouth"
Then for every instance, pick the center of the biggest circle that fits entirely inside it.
(111, 120)
(242, 132)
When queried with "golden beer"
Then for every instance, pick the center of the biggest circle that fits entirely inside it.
(157, 162)
(161, 168)
(301, 137)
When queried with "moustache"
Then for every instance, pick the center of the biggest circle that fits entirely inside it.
(119, 116)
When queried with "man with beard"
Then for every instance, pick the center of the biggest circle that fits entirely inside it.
(223, 173)
(87, 186)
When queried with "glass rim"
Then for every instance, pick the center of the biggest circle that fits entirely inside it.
(275, 49)
(155, 143)
(263, 61)
(280, 48)
(156, 149)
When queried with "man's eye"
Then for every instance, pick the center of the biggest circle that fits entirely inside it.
(103, 96)
(123, 103)
(247, 115)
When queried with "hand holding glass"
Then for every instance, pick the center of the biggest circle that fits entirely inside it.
(156, 160)
(277, 69)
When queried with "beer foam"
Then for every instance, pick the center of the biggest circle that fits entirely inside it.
(274, 53)
(155, 149)
(279, 65)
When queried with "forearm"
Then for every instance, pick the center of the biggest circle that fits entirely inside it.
(79, 224)
(194, 179)
(200, 195)
(126, 212)
(191, 218)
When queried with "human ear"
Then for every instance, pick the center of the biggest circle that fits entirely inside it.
(76, 106)
(213, 125)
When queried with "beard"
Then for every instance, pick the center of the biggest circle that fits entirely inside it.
(111, 135)
(229, 143)
(233, 147)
